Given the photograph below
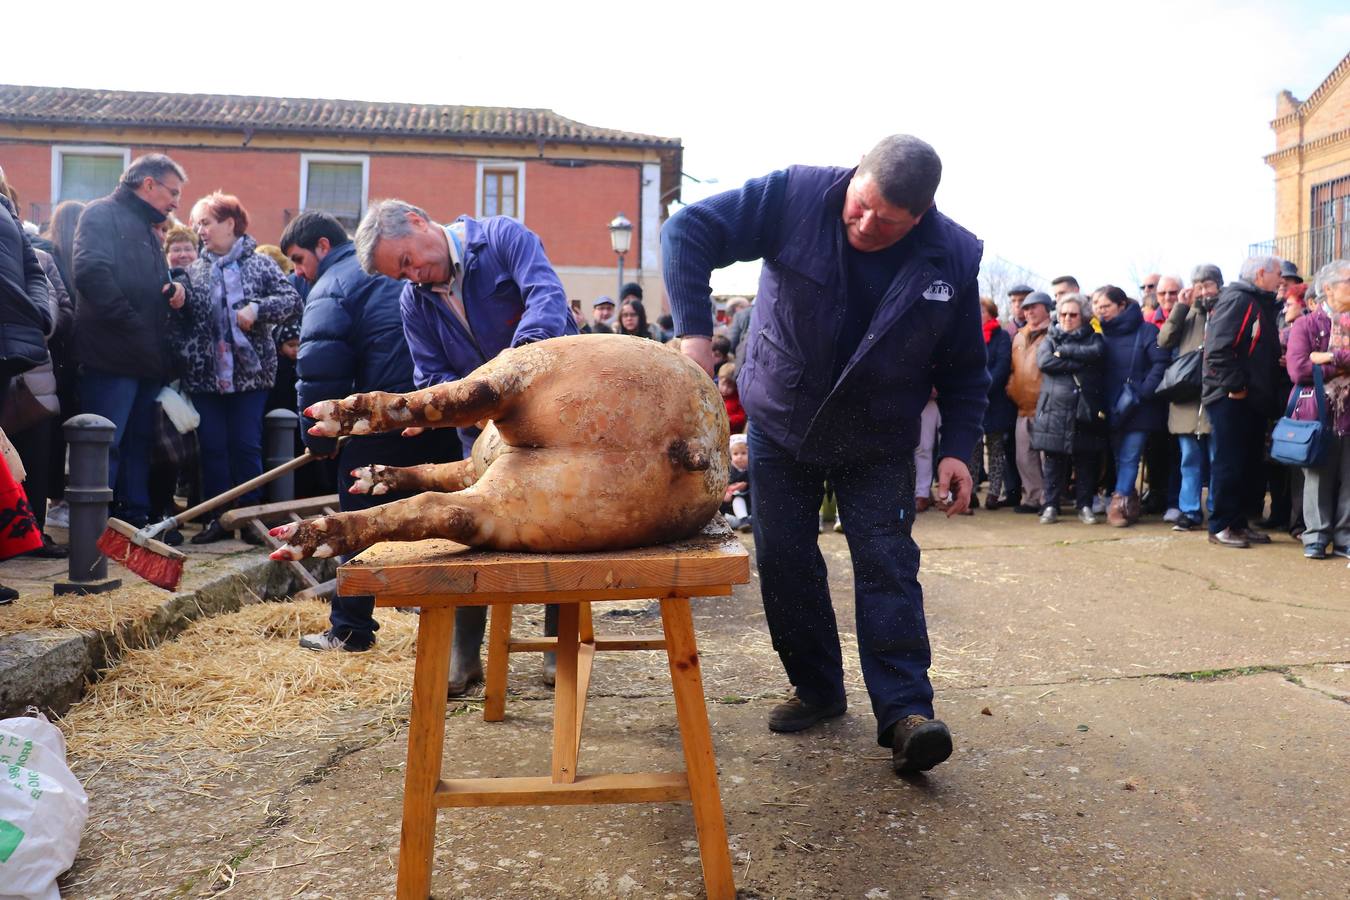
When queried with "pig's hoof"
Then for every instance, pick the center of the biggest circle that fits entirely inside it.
(375, 480)
(315, 538)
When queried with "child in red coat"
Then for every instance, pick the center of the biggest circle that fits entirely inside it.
(726, 383)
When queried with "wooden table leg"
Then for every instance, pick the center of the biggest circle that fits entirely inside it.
(696, 736)
(426, 743)
(499, 656)
(565, 697)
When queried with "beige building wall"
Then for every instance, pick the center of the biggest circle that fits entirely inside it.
(1312, 139)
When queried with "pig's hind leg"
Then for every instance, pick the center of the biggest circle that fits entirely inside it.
(454, 517)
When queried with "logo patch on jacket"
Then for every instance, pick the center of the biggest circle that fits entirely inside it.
(939, 290)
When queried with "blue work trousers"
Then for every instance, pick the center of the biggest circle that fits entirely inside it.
(129, 403)
(876, 506)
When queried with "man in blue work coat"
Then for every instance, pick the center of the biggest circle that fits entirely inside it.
(867, 301)
(473, 288)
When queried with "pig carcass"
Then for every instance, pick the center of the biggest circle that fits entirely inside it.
(594, 442)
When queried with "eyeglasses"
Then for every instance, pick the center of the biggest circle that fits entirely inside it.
(175, 193)
(1148, 287)
(1069, 315)
(1169, 293)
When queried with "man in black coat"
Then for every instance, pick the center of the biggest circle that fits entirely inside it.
(1242, 351)
(122, 317)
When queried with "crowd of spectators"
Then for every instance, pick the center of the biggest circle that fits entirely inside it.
(184, 333)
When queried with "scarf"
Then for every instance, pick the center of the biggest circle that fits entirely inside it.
(1338, 385)
(236, 360)
(989, 328)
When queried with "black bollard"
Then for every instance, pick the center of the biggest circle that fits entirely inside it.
(90, 439)
(279, 429)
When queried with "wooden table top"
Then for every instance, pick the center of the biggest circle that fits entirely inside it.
(412, 573)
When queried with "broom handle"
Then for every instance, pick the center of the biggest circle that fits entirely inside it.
(234, 493)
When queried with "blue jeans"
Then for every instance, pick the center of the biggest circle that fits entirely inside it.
(129, 403)
(1237, 436)
(230, 436)
(1128, 447)
(876, 506)
(352, 618)
(1196, 453)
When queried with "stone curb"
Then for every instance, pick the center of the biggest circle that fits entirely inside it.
(50, 668)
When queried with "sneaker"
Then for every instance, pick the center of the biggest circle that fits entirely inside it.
(1049, 515)
(328, 641)
(798, 715)
(1340, 550)
(1315, 551)
(918, 744)
(1099, 505)
(1172, 515)
(58, 514)
(1229, 538)
(839, 526)
(1184, 523)
(1087, 516)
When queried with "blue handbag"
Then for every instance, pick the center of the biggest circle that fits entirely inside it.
(1297, 442)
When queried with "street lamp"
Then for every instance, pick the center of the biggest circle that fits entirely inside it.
(620, 238)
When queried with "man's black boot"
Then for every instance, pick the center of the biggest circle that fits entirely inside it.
(798, 715)
(918, 744)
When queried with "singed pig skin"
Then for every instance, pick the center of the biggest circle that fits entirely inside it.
(596, 442)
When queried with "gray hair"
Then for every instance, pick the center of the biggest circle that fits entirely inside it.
(383, 219)
(1331, 273)
(151, 165)
(1256, 264)
(1207, 272)
(906, 170)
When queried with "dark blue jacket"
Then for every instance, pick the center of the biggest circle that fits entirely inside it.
(512, 296)
(1001, 413)
(925, 333)
(1133, 354)
(351, 338)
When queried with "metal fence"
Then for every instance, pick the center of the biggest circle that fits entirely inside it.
(1309, 250)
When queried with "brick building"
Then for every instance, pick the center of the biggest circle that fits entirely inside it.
(1312, 174)
(563, 179)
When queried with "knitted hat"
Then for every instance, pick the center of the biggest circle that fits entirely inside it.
(737, 439)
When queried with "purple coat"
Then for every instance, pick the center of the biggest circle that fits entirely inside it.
(1312, 334)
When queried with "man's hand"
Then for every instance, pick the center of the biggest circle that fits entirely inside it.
(1238, 395)
(1319, 358)
(246, 315)
(1187, 296)
(699, 349)
(954, 486)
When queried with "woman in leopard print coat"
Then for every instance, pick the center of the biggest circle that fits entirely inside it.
(225, 345)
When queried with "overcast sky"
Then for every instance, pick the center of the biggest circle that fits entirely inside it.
(1073, 140)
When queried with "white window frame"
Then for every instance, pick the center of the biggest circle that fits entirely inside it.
(60, 150)
(349, 158)
(515, 164)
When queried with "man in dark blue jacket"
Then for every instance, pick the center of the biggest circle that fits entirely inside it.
(474, 288)
(867, 301)
(351, 340)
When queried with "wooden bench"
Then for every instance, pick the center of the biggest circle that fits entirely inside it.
(441, 575)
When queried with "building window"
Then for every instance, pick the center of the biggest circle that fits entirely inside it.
(1330, 232)
(501, 189)
(336, 185)
(86, 173)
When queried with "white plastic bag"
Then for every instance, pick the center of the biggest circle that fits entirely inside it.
(43, 809)
(179, 409)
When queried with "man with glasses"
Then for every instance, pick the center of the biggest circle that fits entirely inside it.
(1149, 290)
(1161, 452)
(124, 298)
(1184, 332)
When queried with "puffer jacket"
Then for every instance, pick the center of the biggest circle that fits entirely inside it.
(1133, 355)
(1024, 384)
(24, 301)
(41, 381)
(1071, 363)
(351, 339)
(1242, 348)
(1183, 332)
(266, 286)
